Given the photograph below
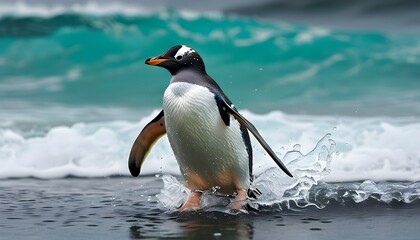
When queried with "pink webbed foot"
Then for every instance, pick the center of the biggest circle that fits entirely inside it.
(239, 200)
(192, 203)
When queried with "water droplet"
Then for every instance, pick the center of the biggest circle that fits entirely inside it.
(334, 128)
(214, 189)
(296, 147)
(261, 69)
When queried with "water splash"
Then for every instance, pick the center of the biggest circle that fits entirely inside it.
(349, 193)
(173, 193)
(276, 187)
(307, 171)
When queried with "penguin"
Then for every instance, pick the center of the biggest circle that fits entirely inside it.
(207, 134)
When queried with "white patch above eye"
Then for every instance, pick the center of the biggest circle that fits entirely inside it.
(183, 51)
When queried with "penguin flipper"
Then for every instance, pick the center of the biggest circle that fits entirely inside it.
(141, 147)
(222, 109)
(231, 109)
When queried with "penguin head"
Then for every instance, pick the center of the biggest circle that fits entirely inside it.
(178, 58)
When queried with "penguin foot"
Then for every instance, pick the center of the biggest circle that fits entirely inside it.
(239, 200)
(192, 203)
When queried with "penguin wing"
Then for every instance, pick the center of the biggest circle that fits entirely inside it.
(231, 109)
(147, 137)
(221, 105)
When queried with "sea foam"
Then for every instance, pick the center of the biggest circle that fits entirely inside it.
(365, 148)
(20, 8)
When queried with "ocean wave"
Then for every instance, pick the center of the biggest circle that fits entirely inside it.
(267, 8)
(366, 148)
(22, 9)
(277, 66)
(26, 9)
(27, 83)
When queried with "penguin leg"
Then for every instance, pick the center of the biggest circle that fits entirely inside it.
(192, 203)
(239, 201)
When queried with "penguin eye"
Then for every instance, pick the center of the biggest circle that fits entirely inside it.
(179, 57)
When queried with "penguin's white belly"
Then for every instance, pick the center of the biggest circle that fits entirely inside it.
(209, 153)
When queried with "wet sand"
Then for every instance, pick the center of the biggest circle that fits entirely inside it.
(127, 208)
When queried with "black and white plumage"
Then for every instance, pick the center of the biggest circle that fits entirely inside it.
(208, 136)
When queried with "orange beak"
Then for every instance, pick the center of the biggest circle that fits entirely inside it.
(155, 61)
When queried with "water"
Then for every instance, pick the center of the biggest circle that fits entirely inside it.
(263, 66)
(338, 101)
(128, 208)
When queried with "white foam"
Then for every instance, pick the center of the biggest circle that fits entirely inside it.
(48, 83)
(377, 149)
(22, 8)
(85, 150)
(98, 8)
(310, 35)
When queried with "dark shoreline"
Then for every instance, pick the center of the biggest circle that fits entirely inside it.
(126, 208)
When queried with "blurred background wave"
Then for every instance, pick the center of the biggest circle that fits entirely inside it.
(72, 70)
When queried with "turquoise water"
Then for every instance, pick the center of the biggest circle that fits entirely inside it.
(75, 92)
(81, 60)
(338, 104)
